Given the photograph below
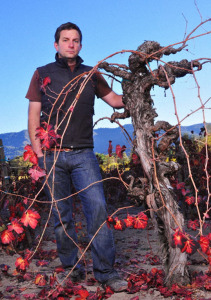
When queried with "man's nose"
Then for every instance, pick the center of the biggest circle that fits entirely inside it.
(71, 44)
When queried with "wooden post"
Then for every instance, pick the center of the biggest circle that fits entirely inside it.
(4, 178)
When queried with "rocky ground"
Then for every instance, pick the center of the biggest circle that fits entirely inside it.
(136, 249)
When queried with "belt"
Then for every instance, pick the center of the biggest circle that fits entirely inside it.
(63, 149)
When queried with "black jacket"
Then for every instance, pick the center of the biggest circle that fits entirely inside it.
(79, 131)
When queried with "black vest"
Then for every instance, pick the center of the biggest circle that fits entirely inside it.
(79, 130)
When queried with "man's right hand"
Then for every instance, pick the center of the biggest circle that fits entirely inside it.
(33, 123)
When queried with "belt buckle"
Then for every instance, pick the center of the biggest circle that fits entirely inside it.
(67, 150)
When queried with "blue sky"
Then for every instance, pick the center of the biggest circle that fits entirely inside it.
(27, 37)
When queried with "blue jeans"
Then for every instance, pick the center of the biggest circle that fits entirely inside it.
(81, 168)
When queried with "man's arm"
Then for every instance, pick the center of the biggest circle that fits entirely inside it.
(114, 100)
(33, 123)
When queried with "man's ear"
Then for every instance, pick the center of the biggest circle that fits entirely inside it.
(56, 46)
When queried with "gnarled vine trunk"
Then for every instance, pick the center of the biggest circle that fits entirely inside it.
(138, 80)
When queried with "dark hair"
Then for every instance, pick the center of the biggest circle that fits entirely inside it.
(67, 26)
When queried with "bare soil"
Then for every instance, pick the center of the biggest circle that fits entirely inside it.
(133, 247)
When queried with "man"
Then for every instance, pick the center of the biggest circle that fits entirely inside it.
(52, 92)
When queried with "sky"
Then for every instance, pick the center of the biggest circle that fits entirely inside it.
(27, 37)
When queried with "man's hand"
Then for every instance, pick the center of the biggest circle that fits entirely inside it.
(33, 123)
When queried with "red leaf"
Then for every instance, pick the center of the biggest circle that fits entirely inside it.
(129, 221)
(178, 239)
(59, 269)
(28, 254)
(53, 280)
(190, 246)
(36, 172)
(25, 200)
(21, 263)
(110, 220)
(206, 215)
(16, 226)
(154, 260)
(119, 225)
(193, 224)
(180, 291)
(7, 237)
(108, 292)
(30, 155)
(40, 279)
(140, 222)
(42, 263)
(184, 192)
(28, 276)
(135, 159)
(4, 268)
(47, 136)
(190, 200)
(180, 185)
(110, 148)
(91, 281)
(83, 293)
(45, 82)
(9, 289)
(207, 285)
(155, 271)
(165, 291)
(120, 150)
(204, 243)
(30, 217)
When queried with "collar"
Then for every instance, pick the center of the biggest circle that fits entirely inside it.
(63, 61)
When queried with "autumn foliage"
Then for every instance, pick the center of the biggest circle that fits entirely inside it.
(186, 242)
(190, 186)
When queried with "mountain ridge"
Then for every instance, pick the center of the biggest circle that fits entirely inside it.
(14, 142)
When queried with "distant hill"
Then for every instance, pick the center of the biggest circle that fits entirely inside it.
(14, 142)
(103, 135)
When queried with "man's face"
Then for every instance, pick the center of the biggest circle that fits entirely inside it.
(69, 44)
